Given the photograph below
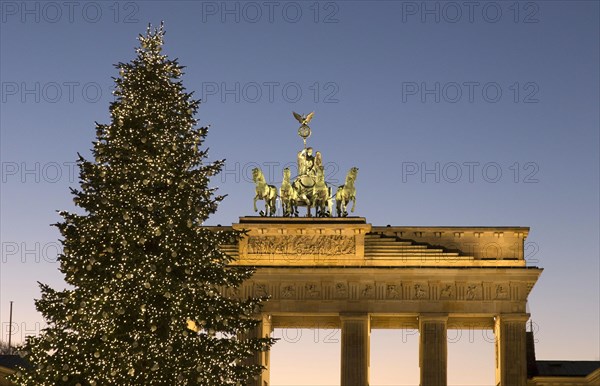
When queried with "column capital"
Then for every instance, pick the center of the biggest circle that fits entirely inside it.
(516, 317)
(432, 317)
(354, 316)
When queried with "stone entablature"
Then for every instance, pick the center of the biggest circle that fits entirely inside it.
(485, 292)
(493, 243)
(353, 242)
(344, 273)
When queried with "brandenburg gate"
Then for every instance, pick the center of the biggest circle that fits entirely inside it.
(345, 273)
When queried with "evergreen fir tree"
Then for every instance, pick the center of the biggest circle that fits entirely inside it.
(149, 299)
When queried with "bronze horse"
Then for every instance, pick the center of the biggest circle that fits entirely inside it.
(346, 193)
(265, 192)
(288, 195)
(321, 195)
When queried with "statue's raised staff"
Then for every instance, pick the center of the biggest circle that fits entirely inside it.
(346, 193)
(309, 185)
(308, 188)
(304, 129)
(265, 192)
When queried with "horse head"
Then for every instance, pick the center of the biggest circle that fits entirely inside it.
(257, 175)
(352, 174)
(320, 176)
(287, 174)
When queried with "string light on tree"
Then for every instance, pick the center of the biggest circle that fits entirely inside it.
(147, 301)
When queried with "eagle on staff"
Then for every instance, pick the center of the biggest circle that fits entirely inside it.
(303, 119)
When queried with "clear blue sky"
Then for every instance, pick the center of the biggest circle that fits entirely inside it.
(456, 113)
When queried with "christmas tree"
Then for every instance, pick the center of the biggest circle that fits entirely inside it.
(150, 294)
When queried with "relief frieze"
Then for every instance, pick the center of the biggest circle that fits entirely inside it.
(341, 290)
(393, 291)
(288, 291)
(502, 292)
(421, 291)
(447, 291)
(367, 290)
(360, 290)
(318, 245)
(312, 290)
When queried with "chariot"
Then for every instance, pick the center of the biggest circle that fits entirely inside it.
(309, 188)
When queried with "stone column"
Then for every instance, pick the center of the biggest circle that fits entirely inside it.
(356, 335)
(433, 349)
(511, 352)
(263, 330)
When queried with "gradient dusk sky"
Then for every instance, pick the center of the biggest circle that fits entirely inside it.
(467, 113)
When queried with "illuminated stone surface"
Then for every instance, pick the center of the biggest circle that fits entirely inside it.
(344, 273)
